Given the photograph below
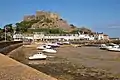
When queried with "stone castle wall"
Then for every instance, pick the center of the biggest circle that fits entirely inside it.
(39, 14)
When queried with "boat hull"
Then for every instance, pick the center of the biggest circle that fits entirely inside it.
(114, 50)
(36, 58)
(103, 48)
(41, 48)
(49, 51)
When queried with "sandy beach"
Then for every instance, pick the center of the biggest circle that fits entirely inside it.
(89, 56)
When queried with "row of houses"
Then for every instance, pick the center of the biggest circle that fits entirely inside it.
(60, 37)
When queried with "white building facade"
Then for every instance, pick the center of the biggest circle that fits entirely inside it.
(58, 37)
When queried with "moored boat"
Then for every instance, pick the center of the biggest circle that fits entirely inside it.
(114, 49)
(103, 46)
(49, 50)
(66, 42)
(109, 46)
(37, 56)
(53, 45)
(42, 47)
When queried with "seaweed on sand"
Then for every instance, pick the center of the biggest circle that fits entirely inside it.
(65, 70)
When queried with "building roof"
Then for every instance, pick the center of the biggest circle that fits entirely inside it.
(105, 35)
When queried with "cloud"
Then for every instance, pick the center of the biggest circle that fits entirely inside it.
(114, 26)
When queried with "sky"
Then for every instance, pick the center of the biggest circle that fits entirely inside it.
(98, 15)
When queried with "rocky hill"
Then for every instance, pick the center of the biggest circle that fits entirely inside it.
(48, 20)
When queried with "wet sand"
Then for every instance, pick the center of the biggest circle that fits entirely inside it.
(92, 57)
(87, 56)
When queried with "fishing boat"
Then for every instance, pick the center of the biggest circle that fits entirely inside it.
(37, 56)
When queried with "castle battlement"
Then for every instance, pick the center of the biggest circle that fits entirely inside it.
(39, 14)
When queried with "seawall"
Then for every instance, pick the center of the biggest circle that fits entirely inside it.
(13, 70)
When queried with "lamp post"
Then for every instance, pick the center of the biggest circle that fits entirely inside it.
(5, 34)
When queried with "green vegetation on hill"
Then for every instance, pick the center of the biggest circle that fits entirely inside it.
(48, 30)
(25, 27)
(81, 30)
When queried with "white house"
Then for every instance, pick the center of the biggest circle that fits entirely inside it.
(101, 36)
(18, 37)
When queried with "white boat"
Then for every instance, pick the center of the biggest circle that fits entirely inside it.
(76, 46)
(116, 49)
(53, 45)
(49, 50)
(59, 43)
(103, 46)
(109, 46)
(112, 45)
(39, 55)
(66, 42)
(42, 47)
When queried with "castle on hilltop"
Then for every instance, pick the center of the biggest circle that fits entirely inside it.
(45, 19)
(38, 15)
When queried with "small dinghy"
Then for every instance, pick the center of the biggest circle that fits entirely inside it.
(38, 56)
